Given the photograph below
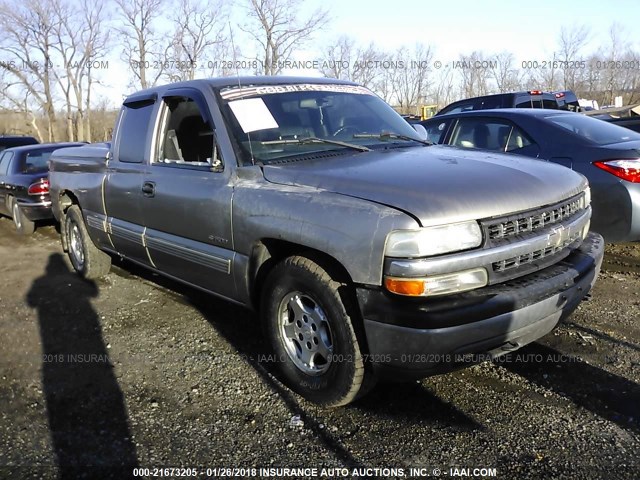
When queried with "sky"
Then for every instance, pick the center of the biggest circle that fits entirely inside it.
(527, 29)
(462, 26)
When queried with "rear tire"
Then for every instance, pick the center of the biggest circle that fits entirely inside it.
(86, 258)
(311, 333)
(24, 226)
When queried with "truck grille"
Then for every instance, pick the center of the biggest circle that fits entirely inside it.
(531, 221)
(534, 256)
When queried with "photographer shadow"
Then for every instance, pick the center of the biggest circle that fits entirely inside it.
(85, 405)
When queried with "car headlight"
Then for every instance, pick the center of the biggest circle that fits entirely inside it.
(423, 242)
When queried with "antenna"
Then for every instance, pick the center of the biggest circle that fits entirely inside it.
(235, 62)
(233, 52)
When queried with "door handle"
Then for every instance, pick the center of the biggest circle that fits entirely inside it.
(149, 189)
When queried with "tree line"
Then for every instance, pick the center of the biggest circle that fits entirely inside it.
(611, 69)
(53, 56)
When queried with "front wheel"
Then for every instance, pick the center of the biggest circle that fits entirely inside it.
(24, 226)
(311, 332)
(86, 258)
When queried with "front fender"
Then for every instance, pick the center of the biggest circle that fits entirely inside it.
(351, 230)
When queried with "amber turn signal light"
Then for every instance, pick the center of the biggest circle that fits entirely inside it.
(414, 288)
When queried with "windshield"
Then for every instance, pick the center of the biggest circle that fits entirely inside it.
(593, 129)
(272, 123)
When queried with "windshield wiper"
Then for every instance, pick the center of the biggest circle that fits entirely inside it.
(391, 135)
(306, 140)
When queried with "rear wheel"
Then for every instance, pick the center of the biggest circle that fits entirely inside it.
(86, 258)
(311, 332)
(24, 226)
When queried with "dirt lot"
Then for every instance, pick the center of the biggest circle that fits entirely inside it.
(136, 370)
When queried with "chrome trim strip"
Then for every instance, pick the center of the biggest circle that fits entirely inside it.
(194, 256)
(125, 234)
(24, 204)
(97, 221)
(485, 258)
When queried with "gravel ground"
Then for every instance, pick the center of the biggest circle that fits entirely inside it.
(138, 370)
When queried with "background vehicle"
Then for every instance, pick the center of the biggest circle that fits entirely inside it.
(24, 184)
(628, 117)
(368, 253)
(8, 141)
(632, 123)
(564, 100)
(608, 155)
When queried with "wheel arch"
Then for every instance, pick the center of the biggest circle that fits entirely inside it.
(268, 252)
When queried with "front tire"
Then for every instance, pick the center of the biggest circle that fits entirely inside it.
(311, 332)
(86, 258)
(24, 226)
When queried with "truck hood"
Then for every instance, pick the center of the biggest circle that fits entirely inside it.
(436, 184)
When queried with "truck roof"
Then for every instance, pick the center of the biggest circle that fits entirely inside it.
(221, 82)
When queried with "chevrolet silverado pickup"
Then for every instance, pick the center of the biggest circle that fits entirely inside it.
(368, 252)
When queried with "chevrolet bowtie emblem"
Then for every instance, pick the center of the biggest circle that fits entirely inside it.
(557, 236)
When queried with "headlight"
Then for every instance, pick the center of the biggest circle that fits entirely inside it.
(428, 241)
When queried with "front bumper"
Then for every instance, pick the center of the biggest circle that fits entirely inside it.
(38, 209)
(415, 338)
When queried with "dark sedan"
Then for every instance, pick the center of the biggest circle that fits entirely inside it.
(24, 184)
(608, 155)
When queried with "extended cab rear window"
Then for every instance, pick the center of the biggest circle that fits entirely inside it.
(134, 125)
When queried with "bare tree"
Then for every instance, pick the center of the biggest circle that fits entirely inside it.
(26, 40)
(144, 44)
(571, 42)
(546, 77)
(79, 41)
(13, 104)
(442, 92)
(368, 66)
(338, 59)
(346, 60)
(632, 77)
(277, 30)
(473, 74)
(614, 60)
(409, 72)
(199, 29)
(504, 73)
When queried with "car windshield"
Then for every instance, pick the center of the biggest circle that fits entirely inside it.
(276, 122)
(593, 129)
(36, 162)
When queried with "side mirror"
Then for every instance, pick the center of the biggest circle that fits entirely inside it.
(422, 132)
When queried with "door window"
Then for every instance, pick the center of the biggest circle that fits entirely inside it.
(186, 137)
(5, 160)
(489, 134)
(436, 131)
